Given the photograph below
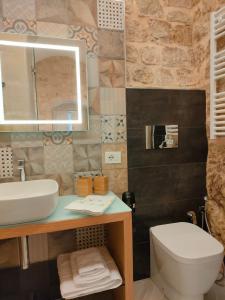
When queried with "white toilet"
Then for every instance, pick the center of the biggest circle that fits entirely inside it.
(185, 260)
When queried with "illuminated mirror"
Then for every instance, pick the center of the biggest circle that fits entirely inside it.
(44, 85)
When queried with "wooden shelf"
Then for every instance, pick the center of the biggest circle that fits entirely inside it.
(117, 219)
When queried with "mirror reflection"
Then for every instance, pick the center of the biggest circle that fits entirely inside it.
(44, 86)
(161, 136)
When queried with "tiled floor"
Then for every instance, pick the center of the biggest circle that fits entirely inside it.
(146, 290)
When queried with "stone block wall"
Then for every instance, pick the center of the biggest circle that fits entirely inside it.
(159, 44)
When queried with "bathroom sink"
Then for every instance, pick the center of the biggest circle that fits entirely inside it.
(27, 201)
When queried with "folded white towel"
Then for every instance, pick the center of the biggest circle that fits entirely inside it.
(70, 290)
(88, 260)
(88, 266)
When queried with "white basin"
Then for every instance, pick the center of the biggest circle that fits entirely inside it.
(27, 201)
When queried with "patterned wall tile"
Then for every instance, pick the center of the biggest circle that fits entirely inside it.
(58, 159)
(82, 12)
(114, 129)
(94, 101)
(92, 136)
(118, 148)
(19, 9)
(52, 29)
(34, 160)
(25, 139)
(53, 11)
(57, 138)
(112, 73)
(113, 101)
(87, 34)
(111, 44)
(87, 157)
(117, 180)
(18, 26)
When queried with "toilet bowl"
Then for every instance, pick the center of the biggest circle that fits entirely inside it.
(185, 260)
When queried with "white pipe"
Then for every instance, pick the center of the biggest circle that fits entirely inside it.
(24, 253)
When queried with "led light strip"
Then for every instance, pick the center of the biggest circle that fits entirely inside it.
(76, 50)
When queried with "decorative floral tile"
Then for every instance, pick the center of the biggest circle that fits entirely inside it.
(87, 157)
(54, 11)
(57, 138)
(58, 159)
(26, 139)
(112, 73)
(92, 136)
(114, 129)
(34, 160)
(19, 9)
(87, 34)
(113, 101)
(18, 26)
(52, 29)
(82, 12)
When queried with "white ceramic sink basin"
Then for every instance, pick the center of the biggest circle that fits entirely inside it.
(27, 201)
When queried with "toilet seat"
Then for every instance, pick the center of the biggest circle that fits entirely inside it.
(186, 243)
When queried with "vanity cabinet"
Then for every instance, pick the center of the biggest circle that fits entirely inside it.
(117, 221)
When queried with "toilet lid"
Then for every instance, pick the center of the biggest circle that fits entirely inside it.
(186, 242)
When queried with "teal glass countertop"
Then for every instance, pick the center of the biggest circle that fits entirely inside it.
(61, 214)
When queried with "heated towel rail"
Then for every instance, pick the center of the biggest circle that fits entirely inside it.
(217, 101)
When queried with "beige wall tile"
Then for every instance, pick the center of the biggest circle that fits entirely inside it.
(82, 12)
(19, 9)
(94, 101)
(52, 29)
(111, 44)
(118, 182)
(118, 148)
(113, 101)
(55, 11)
(92, 136)
(5, 139)
(111, 73)
(57, 159)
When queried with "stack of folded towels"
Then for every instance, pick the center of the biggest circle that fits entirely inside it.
(86, 272)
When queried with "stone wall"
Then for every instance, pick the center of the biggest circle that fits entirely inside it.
(216, 155)
(159, 44)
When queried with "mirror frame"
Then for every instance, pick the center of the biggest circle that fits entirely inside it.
(37, 42)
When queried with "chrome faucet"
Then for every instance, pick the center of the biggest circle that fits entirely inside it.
(21, 168)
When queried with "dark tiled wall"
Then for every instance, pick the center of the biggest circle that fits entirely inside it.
(167, 183)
